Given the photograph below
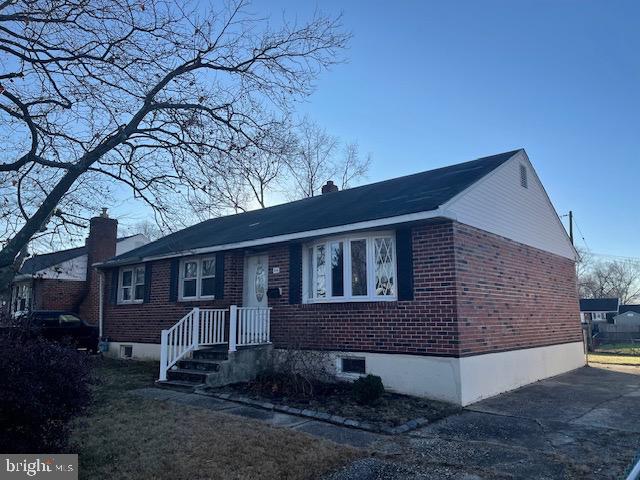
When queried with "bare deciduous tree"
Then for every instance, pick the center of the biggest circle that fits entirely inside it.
(298, 167)
(317, 157)
(147, 228)
(248, 179)
(613, 278)
(147, 94)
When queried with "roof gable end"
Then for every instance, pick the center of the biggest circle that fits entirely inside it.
(408, 195)
(511, 201)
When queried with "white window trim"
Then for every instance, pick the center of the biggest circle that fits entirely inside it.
(21, 291)
(131, 269)
(198, 278)
(346, 245)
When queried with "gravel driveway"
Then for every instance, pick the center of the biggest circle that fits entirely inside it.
(581, 425)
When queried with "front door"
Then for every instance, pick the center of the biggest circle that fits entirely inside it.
(255, 285)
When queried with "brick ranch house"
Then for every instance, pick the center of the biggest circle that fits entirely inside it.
(456, 283)
(65, 280)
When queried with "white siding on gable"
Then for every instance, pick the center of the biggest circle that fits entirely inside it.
(73, 269)
(500, 204)
(76, 268)
(123, 246)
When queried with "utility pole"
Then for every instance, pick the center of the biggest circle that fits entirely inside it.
(571, 226)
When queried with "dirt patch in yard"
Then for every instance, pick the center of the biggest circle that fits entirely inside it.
(391, 410)
(130, 437)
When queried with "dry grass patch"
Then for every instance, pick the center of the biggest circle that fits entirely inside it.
(130, 437)
(613, 359)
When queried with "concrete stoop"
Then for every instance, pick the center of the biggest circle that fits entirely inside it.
(217, 367)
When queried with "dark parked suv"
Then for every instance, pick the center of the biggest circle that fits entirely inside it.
(65, 326)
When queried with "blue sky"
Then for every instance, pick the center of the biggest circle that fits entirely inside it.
(429, 84)
(433, 83)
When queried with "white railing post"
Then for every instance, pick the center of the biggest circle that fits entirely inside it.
(233, 327)
(195, 331)
(269, 325)
(164, 347)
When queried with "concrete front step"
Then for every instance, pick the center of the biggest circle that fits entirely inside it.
(219, 354)
(179, 385)
(187, 375)
(215, 366)
(209, 366)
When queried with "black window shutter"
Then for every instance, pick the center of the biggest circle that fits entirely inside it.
(295, 273)
(404, 255)
(147, 283)
(219, 288)
(173, 280)
(113, 294)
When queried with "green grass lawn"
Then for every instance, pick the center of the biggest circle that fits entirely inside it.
(124, 436)
(620, 348)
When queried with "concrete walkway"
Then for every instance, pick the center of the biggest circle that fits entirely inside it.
(335, 433)
(581, 425)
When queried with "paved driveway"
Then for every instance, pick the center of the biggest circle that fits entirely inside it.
(581, 425)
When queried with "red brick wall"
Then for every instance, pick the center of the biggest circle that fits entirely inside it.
(144, 322)
(51, 294)
(425, 325)
(512, 296)
(473, 293)
(101, 245)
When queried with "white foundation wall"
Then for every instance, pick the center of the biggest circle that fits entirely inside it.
(433, 377)
(483, 376)
(457, 380)
(141, 351)
(469, 379)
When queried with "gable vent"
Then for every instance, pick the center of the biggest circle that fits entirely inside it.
(524, 181)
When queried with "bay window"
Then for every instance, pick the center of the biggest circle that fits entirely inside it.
(131, 284)
(350, 268)
(197, 278)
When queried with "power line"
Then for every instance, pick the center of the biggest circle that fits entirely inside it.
(621, 257)
(582, 236)
(606, 255)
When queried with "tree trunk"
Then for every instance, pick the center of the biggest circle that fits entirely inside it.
(6, 277)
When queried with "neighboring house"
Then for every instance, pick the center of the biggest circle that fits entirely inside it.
(62, 280)
(598, 309)
(623, 328)
(624, 308)
(456, 283)
(629, 318)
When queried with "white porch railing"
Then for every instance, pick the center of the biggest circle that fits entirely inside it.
(204, 326)
(198, 327)
(212, 326)
(253, 325)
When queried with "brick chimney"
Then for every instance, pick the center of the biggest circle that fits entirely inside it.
(329, 187)
(101, 245)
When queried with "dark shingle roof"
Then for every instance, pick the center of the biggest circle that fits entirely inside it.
(39, 262)
(629, 308)
(420, 192)
(598, 304)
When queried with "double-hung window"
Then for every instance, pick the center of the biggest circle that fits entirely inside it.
(351, 268)
(197, 278)
(131, 284)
